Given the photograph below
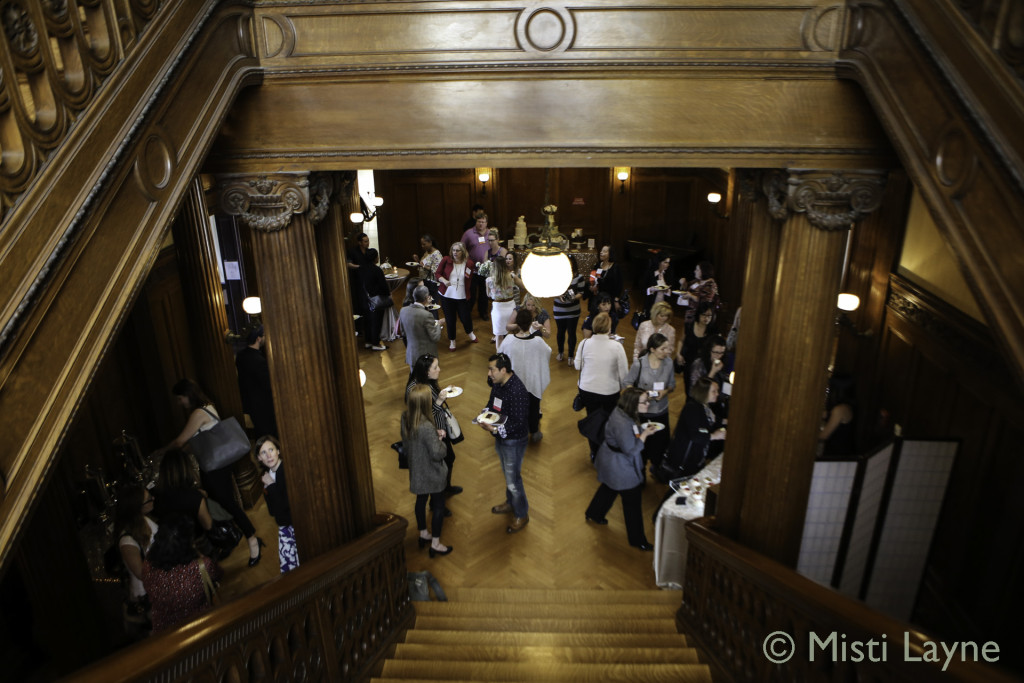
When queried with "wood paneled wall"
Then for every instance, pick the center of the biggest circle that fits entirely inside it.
(662, 205)
(939, 376)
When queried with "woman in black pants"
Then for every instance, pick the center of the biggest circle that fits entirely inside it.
(379, 297)
(217, 483)
(454, 277)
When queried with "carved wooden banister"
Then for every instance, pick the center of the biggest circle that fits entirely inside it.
(736, 601)
(330, 619)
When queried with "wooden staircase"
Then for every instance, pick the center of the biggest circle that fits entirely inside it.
(484, 634)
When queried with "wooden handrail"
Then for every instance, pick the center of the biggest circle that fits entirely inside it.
(734, 600)
(330, 619)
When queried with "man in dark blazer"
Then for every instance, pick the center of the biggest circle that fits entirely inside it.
(421, 330)
(254, 384)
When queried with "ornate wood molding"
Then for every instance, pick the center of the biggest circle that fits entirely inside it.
(956, 116)
(741, 606)
(964, 339)
(76, 249)
(832, 200)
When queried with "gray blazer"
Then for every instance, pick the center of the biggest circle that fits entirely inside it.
(619, 462)
(421, 332)
(427, 471)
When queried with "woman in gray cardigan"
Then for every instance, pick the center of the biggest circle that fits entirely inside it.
(424, 446)
(620, 467)
(654, 373)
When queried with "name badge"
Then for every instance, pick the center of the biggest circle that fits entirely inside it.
(481, 240)
(497, 405)
(636, 431)
(658, 386)
(599, 271)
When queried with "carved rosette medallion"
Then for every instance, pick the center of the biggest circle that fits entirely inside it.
(266, 203)
(831, 201)
(549, 29)
(320, 190)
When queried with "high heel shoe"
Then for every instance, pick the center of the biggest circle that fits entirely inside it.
(434, 552)
(253, 561)
(423, 542)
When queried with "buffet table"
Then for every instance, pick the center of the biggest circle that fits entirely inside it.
(669, 532)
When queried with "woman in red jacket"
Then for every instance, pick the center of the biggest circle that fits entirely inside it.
(454, 275)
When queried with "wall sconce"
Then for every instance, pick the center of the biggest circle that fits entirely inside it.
(252, 305)
(622, 174)
(483, 175)
(364, 213)
(847, 303)
(714, 197)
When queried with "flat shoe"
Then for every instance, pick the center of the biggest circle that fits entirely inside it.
(453, 491)
(559, 358)
(502, 509)
(434, 553)
(474, 340)
(646, 547)
(602, 521)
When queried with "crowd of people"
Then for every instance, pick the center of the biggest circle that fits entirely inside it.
(626, 394)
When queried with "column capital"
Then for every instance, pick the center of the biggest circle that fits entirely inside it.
(267, 202)
(832, 200)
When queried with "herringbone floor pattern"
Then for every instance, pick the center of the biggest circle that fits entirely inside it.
(558, 549)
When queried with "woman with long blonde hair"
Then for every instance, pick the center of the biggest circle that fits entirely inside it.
(428, 475)
(501, 287)
(454, 276)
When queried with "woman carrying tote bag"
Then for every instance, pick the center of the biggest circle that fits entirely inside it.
(218, 483)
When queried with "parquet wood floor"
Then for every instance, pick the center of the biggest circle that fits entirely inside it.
(557, 550)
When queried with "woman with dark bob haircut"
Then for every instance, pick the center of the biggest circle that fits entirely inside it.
(173, 574)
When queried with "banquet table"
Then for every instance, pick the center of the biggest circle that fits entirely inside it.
(669, 532)
(396, 277)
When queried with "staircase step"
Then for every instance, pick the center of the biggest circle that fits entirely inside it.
(542, 639)
(457, 651)
(546, 671)
(663, 625)
(543, 611)
(561, 597)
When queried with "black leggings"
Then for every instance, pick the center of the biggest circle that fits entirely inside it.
(436, 512)
(451, 308)
(562, 326)
(220, 486)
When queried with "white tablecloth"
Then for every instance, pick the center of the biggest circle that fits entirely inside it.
(669, 534)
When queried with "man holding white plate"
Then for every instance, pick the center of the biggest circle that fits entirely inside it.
(506, 418)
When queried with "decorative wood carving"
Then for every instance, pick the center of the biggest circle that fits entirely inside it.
(266, 203)
(956, 115)
(832, 201)
(76, 248)
(735, 601)
(332, 619)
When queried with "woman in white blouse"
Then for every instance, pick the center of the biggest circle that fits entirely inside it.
(454, 275)
(602, 364)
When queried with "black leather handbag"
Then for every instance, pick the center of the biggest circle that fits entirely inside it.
(221, 445)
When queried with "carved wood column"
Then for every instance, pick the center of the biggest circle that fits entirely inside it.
(330, 243)
(793, 278)
(208, 321)
(204, 299)
(281, 213)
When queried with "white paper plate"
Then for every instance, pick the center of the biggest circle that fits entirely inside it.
(412, 264)
(657, 426)
(454, 391)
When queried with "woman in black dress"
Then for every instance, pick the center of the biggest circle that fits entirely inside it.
(607, 278)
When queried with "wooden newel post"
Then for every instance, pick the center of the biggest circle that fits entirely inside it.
(282, 209)
(785, 344)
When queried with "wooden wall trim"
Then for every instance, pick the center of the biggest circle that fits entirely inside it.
(81, 302)
(912, 70)
(495, 84)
